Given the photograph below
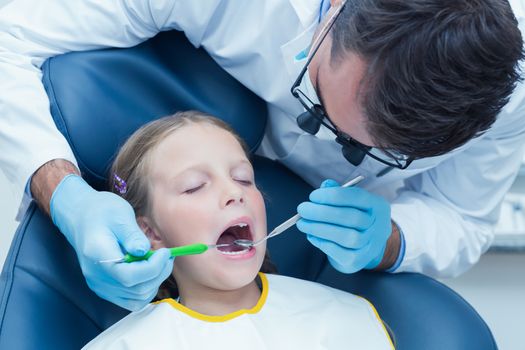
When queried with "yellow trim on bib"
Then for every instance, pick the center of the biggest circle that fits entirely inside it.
(380, 321)
(227, 317)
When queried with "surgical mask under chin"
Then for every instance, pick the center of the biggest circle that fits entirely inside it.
(308, 89)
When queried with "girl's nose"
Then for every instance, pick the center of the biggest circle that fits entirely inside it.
(233, 195)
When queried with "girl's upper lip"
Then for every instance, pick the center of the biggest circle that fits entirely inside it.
(240, 220)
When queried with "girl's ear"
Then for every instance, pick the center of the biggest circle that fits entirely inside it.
(146, 225)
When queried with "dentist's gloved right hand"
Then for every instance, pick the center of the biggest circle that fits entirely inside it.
(349, 224)
(97, 224)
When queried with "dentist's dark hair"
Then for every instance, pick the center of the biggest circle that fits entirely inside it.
(439, 71)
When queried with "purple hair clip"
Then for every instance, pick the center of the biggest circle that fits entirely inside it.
(120, 185)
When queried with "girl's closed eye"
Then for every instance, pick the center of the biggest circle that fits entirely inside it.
(193, 184)
(244, 181)
(191, 181)
(243, 176)
(194, 188)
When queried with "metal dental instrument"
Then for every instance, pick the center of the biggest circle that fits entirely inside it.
(247, 243)
(191, 249)
(199, 248)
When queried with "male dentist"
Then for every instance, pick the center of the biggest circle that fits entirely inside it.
(416, 92)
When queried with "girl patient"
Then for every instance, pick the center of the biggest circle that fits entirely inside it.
(189, 180)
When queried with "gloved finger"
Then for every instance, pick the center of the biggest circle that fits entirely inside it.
(346, 267)
(329, 183)
(100, 245)
(138, 292)
(342, 216)
(342, 259)
(131, 237)
(145, 288)
(110, 291)
(342, 236)
(111, 275)
(138, 304)
(131, 274)
(143, 292)
(130, 304)
(344, 197)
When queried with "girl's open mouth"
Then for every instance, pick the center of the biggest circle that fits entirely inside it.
(238, 231)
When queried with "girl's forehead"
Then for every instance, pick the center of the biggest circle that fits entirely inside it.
(201, 134)
(197, 143)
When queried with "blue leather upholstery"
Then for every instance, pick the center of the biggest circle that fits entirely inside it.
(97, 99)
(90, 109)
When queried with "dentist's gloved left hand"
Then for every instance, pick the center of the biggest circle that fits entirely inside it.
(97, 224)
(349, 224)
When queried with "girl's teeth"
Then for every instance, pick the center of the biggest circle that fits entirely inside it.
(235, 253)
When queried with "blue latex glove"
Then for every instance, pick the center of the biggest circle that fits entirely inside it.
(97, 224)
(349, 224)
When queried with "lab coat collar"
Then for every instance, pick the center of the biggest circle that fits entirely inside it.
(307, 10)
(309, 13)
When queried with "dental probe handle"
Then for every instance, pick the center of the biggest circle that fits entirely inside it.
(191, 249)
(291, 221)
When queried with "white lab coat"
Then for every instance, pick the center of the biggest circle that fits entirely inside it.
(447, 204)
(290, 314)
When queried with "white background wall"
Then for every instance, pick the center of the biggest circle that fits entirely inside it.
(495, 287)
(8, 210)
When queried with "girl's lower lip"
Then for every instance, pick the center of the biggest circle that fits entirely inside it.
(239, 256)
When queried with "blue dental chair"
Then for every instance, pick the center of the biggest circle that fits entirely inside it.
(98, 99)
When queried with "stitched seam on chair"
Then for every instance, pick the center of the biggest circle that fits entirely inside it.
(60, 124)
(61, 120)
(9, 265)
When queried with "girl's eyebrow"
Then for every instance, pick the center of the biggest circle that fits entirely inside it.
(194, 168)
(201, 167)
(243, 161)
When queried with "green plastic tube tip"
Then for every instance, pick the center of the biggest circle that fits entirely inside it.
(191, 249)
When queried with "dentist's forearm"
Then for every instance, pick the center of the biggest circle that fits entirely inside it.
(47, 178)
(392, 249)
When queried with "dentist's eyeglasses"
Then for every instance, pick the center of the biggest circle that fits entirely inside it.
(315, 116)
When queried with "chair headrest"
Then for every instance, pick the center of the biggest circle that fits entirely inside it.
(99, 98)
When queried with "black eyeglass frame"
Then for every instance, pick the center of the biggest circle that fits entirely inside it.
(348, 143)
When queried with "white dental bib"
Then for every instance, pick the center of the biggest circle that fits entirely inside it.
(290, 314)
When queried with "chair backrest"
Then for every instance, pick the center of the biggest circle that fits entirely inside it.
(97, 99)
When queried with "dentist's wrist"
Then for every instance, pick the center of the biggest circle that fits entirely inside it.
(45, 180)
(392, 250)
(401, 254)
